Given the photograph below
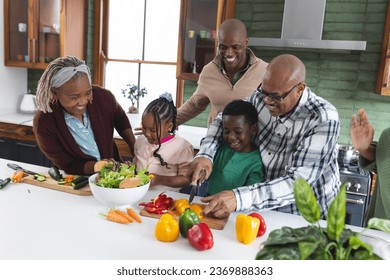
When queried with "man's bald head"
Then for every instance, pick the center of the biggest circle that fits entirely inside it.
(288, 68)
(233, 27)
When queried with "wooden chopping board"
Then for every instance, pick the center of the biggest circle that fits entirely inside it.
(213, 223)
(50, 183)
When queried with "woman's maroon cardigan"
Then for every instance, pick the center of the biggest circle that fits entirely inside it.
(59, 146)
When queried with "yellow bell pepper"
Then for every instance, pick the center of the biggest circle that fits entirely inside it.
(246, 228)
(197, 209)
(167, 228)
(181, 205)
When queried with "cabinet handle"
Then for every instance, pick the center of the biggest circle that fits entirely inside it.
(34, 43)
(29, 47)
(355, 201)
(26, 145)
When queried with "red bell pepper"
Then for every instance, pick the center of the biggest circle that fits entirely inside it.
(159, 199)
(158, 205)
(200, 236)
(263, 226)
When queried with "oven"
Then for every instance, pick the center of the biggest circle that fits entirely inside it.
(358, 190)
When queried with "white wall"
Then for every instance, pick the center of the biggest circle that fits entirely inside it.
(13, 80)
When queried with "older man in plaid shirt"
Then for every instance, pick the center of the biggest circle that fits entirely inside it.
(297, 137)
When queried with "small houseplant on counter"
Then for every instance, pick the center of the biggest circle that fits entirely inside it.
(335, 242)
(134, 93)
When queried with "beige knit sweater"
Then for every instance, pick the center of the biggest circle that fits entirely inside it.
(216, 89)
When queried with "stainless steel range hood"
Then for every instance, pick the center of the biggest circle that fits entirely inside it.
(302, 28)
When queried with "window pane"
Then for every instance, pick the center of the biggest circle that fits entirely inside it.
(117, 76)
(162, 30)
(126, 23)
(157, 79)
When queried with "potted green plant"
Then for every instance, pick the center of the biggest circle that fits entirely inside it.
(134, 93)
(333, 242)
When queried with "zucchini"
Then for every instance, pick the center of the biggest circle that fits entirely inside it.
(79, 182)
(54, 172)
(40, 177)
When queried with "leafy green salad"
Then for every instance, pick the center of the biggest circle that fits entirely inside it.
(109, 178)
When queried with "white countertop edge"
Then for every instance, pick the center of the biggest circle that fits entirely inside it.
(192, 134)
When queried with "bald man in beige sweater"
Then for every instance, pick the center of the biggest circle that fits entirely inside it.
(234, 73)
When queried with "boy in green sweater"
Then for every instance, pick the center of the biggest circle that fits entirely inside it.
(237, 161)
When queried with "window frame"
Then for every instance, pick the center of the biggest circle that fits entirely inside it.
(100, 58)
(383, 76)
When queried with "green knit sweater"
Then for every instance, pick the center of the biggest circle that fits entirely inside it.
(380, 201)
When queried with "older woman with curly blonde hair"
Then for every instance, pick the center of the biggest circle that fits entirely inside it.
(75, 121)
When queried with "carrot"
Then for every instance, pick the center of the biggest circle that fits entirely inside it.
(17, 176)
(125, 215)
(134, 215)
(68, 179)
(114, 217)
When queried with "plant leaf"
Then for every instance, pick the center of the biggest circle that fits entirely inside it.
(307, 248)
(356, 243)
(336, 214)
(287, 235)
(306, 201)
(380, 224)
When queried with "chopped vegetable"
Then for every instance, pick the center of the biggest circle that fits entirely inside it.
(114, 217)
(39, 177)
(134, 215)
(200, 237)
(181, 205)
(67, 181)
(17, 177)
(158, 205)
(108, 178)
(246, 228)
(167, 229)
(197, 209)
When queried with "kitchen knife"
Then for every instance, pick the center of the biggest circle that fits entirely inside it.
(17, 167)
(194, 189)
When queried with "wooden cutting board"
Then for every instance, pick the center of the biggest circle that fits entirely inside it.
(213, 223)
(50, 183)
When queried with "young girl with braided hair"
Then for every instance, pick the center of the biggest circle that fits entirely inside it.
(166, 155)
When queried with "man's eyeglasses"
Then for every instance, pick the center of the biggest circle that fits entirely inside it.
(274, 96)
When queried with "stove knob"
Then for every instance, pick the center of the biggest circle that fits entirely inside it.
(348, 185)
(357, 186)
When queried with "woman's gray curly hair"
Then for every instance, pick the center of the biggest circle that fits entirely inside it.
(44, 94)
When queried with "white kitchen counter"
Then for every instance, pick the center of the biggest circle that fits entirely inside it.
(17, 118)
(39, 223)
(191, 133)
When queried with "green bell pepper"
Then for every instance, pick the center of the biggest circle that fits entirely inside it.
(186, 220)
